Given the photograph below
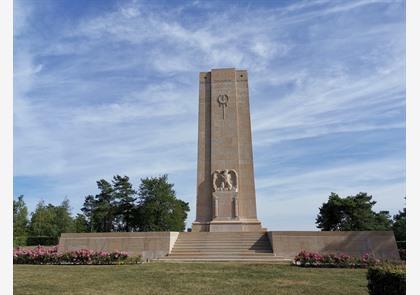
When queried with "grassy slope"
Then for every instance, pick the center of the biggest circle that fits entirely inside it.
(187, 278)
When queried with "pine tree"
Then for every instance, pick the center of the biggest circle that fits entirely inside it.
(124, 202)
(88, 210)
(352, 213)
(104, 207)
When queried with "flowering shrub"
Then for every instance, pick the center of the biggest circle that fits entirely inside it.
(41, 255)
(333, 260)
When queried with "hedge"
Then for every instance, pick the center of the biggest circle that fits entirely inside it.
(386, 279)
(41, 240)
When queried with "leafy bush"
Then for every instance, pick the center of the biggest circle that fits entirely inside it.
(401, 249)
(42, 255)
(402, 253)
(401, 244)
(313, 259)
(41, 240)
(19, 241)
(386, 279)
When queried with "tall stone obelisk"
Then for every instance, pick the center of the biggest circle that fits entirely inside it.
(225, 176)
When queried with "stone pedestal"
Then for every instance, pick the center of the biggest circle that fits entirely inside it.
(225, 206)
(225, 178)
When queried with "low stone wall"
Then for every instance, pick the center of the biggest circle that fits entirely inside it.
(381, 244)
(149, 245)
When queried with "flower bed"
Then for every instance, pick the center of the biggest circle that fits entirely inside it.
(312, 259)
(42, 255)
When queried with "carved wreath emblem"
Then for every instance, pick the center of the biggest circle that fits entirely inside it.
(223, 100)
(225, 180)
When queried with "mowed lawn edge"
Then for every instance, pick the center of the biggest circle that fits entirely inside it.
(187, 278)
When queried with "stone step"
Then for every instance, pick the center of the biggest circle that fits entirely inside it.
(224, 258)
(222, 243)
(225, 244)
(224, 233)
(223, 237)
(220, 250)
(215, 238)
(219, 254)
(186, 249)
(222, 246)
(203, 237)
(250, 247)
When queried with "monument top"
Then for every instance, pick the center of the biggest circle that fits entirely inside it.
(224, 75)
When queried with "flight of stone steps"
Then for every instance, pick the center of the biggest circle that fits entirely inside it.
(222, 246)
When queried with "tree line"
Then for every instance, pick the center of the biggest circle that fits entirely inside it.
(155, 207)
(117, 207)
(355, 213)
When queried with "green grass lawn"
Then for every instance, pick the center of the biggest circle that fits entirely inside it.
(187, 278)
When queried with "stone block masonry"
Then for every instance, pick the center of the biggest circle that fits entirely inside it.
(225, 170)
(149, 245)
(379, 244)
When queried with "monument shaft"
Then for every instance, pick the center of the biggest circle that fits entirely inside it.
(225, 177)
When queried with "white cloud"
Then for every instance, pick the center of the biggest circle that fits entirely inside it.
(284, 199)
(117, 92)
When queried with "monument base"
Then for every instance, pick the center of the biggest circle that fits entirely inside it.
(150, 245)
(378, 244)
(245, 235)
(228, 226)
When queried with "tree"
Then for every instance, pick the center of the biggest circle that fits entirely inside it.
(124, 203)
(52, 221)
(351, 213)
(42, 221)
(399, 225)
(118, 207)
(88, 210)
(159, 209)
(20, 221)
(80, 224)
(63, 218)
(104, 210)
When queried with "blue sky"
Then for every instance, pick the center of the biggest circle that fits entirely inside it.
(111, 87)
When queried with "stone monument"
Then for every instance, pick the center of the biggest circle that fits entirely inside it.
(225, 172)
(226, 225)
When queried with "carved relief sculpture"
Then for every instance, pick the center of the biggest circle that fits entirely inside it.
(223, 100)
(225, 180)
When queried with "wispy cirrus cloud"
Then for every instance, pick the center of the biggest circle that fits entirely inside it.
(112, 88)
